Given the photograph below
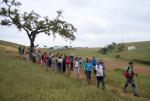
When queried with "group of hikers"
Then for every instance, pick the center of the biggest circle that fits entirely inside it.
(78, 65)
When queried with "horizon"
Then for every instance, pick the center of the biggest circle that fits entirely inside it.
(72, 46)
(98, 22)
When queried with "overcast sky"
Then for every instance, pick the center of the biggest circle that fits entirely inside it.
(99, 22)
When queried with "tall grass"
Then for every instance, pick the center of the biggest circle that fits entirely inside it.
(24, 81)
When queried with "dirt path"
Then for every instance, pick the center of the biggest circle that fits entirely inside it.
(108, 87)
(112, 64)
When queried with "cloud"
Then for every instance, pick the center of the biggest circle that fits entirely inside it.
(99, 22)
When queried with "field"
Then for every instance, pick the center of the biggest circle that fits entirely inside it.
(141, 54)
(24, 81)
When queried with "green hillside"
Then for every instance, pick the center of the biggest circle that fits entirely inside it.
(8, 44)
(140, 54)
(24, 81)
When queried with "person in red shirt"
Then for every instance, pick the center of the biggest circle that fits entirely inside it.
(44, 57)
(68, 63)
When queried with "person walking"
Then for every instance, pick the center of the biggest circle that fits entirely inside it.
(20, 51)
(38, 55)
(94, 62)
(43, 59)
(84, 63)
(88, 69)
(54, 64)
(34, 57)
(129, 74)
(60, 61)
(64, 63)
(76, 67)
(100, 74)
(68, 64)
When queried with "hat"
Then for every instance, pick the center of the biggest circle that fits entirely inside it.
(100, 61)
(130, 62)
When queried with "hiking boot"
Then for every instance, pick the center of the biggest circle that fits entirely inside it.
(136, 95)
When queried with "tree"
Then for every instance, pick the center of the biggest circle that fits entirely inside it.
(103, 50)
(33, 24)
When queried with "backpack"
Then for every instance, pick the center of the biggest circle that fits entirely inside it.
(127, 75)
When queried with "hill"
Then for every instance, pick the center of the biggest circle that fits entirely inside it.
(24, 81)
(9, 44)
(140, 54)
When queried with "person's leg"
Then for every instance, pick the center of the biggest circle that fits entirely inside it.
(86, 73)
(90, 75)
(98, 81)
(103, 83)
(78, 72)
(61, 67)
(133, 87)
(68, 68)
(126, 85)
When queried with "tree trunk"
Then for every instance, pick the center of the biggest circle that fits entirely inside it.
(31, 43)
(32, 38)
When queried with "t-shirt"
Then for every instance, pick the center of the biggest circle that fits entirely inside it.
(76, 64)
(60, 60)
(88, 66)
(99, 70)
(94, 62)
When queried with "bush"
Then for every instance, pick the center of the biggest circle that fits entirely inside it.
(103, 50)
(117, 56)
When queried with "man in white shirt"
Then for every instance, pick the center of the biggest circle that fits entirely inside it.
(100, 74)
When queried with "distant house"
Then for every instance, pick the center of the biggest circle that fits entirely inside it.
(59, 47)
(131, 48)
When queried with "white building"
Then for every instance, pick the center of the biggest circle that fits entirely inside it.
(131, 48)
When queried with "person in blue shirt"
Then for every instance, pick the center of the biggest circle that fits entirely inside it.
(88, 69)
(94, 62)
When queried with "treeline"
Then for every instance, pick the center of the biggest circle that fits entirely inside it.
(114, 47)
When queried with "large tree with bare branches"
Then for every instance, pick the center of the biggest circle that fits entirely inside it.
(33, 24)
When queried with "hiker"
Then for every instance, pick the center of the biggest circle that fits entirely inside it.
(88, 68)
(60, 61)
(38, 55)
(68, 64)
(54, 66)
(100, 74)
(26, 56)
(84, 63)
(20, 50)
(64, 64)
(34, 57)
(76, 67)
(94, 62)
(23, 50)
(80, 62)
(43, 59)
(48, 61)
(129, 74)
(72, 59)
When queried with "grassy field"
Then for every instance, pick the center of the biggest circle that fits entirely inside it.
(24, 81)
(140, 54)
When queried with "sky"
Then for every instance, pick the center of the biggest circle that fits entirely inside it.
(99, 22)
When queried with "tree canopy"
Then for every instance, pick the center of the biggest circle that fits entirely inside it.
(33, 24)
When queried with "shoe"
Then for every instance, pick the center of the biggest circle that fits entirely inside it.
(136, 95)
